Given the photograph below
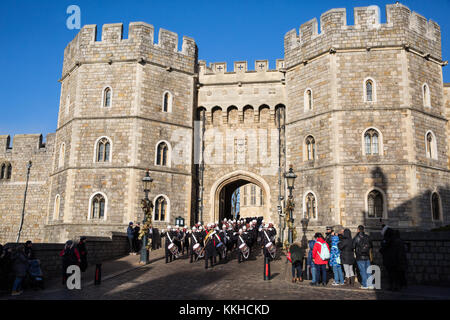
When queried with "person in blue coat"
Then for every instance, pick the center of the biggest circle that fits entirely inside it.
(335, 261)
(130, 235)
(310, 262)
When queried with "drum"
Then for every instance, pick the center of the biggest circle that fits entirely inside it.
(245, 250)
(270, 247)
(198, 250)
(173, 249)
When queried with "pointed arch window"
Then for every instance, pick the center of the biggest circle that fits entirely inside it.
(310, 148)
(103, 150)
(426, 95)
(375, 204)
(107, 97)
(435, 206)
(245, 195)
(371, 142)
(162, 154)
(310, 206)
(369, 87)
(167, 102)
(5, 171)
(160, 209)
(98, 204)
(430, 145)
(253, 195)
(8, 171)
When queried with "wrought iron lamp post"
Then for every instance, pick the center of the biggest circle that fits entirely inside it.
(290, 179)
(24, 200)
(147, 207)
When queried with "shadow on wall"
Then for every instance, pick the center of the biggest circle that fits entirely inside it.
(413, 214)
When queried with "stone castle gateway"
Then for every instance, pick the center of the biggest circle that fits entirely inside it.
(359, 111)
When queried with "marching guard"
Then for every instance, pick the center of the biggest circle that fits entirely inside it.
(170, 246)
(269, 249)
(210, 250)
(242, 246)
(196, 244)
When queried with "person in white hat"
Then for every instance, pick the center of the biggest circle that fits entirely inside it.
(241, 238)
(170, 235)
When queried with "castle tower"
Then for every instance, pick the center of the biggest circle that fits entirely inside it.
(362, 101)
(124, 103)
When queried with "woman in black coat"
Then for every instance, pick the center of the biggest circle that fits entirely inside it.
(297, 254)
(345, 245)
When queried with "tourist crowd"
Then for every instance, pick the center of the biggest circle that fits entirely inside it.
(339, 256)
(336, 255)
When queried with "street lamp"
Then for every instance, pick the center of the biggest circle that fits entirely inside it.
(290, 179)
(24, 200)
(147, 207)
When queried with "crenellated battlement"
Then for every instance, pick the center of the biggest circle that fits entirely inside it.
(25, 142)
(402, 27)
(110, 47)
(238, 67)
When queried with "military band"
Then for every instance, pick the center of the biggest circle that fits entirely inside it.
(221, 240)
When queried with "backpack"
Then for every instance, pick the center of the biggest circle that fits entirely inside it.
(324, 251)
(363, 245)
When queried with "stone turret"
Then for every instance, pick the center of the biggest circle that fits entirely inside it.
(403, 28)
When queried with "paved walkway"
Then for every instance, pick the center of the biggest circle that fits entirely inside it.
(125, 279)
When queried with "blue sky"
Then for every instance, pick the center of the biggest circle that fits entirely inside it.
(34, 34)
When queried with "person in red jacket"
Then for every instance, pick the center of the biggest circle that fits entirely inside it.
(318, 261)
(70, 256)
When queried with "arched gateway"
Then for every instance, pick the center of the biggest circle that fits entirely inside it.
(223, 189)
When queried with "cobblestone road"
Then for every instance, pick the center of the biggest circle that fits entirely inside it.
(182, 280)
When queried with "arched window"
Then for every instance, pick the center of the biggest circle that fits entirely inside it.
(261, 197)
(167, 102)
(435, 206)
(310, 206)
(430, 145)
(375, 204)
(369, 90)
(56, 207)
(98, 205)
(160, 209)
(107, 97)
(310, 148)
(245, 195)
(62, 151)
(3, 171)
(426, 95)
(371, 138)
(8, 171)
(162, 154)
(253, 195)
(103, 150)
(308, 99)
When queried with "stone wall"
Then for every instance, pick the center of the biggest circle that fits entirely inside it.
(428, 255)
(100, 249)
(25, 147)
